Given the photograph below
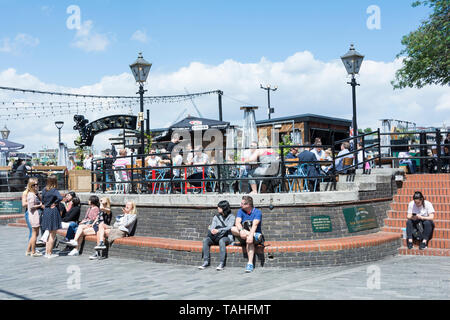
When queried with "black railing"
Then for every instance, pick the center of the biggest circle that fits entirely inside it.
(16, 181)
(429, 155)
(228, 176)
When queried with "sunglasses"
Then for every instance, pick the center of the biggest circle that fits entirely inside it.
(34, 185)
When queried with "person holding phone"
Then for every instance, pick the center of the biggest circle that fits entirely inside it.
(420, 211)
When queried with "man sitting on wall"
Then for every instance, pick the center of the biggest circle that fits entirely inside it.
(248, 228)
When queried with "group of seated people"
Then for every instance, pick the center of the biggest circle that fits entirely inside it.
(50, 212)
(257, 164)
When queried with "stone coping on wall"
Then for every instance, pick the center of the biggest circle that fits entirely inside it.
(321, 245)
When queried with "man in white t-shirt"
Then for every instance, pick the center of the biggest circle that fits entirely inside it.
(152, 160)
(419, 211)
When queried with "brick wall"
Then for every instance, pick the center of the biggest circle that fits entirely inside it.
(279, 224)
(279, 259)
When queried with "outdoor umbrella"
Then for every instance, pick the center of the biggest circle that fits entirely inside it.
(195, 123)
(8, 146)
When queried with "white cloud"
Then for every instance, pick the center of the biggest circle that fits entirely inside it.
(443, 104)
(305, 85)
(140, 36)
(20, 42)
(47, 10)
(89, 40)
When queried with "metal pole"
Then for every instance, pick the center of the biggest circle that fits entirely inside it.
(355, 125)
(379, 148)
(148, 122)
(142, 151)
(438, 149)
(283, 171)
(268, 102)
(141, 93)
(220, 93)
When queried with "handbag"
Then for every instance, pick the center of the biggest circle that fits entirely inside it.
(219, 235)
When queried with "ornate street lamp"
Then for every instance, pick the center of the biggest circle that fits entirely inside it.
(352, 61)
(5, 133)
(140, 69)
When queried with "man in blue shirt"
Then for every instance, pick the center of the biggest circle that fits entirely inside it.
(248, 228)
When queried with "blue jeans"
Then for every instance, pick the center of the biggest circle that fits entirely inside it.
(28, 224)
(71, 231)
(207, 242)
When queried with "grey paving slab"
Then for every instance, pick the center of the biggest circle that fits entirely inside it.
(76, 278)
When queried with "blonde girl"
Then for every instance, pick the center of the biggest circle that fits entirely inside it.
(33, 206)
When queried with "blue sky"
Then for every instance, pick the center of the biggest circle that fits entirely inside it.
(203, 45)
(209, 32)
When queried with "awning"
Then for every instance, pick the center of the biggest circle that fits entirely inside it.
(8, 146)
(194, 123)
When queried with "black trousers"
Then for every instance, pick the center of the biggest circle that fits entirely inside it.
(427, 228)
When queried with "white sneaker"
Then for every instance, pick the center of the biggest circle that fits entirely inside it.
(51, 256)
(74, 252)
(94, 256)
(72, 243)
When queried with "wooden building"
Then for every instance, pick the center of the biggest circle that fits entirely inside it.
(304, 128)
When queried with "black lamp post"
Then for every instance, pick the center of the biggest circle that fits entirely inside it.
(5, 133)
(141, 69)
(352, 61)
(268, 89)
(59, 125)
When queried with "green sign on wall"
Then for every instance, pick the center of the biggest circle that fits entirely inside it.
(321, 223)
(360, 218)
(10, 206)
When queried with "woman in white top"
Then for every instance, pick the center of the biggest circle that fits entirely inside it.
(122, 227)
(419, 210)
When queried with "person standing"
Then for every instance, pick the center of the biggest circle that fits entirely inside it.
(26, 216)
(219, 233)
(248, 228)
(33, 206)
(51, 217)
(419, 211)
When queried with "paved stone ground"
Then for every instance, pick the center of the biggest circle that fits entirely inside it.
(397, 277)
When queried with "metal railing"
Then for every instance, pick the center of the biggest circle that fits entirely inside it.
(14, 181)
(227, 176)
(230, 175)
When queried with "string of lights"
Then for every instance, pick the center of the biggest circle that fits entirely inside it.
(46, 113)
(159, 99)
